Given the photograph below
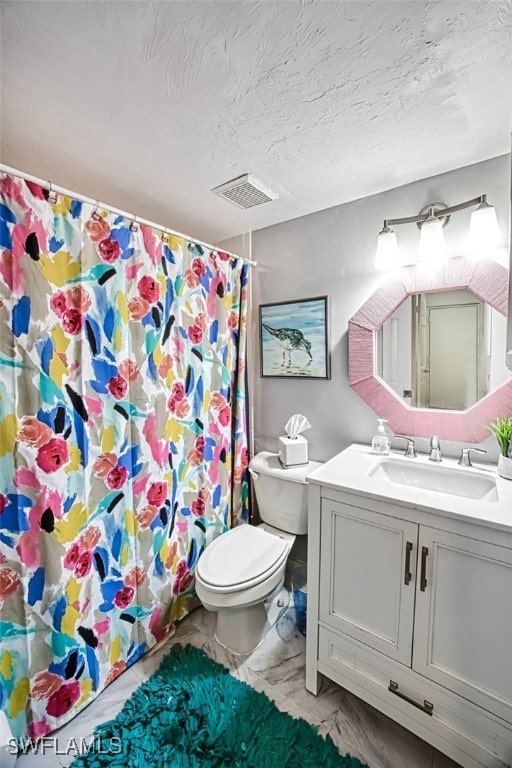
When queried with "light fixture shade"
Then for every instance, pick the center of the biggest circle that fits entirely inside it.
(484, 233)
(388, 254)
(432, 247)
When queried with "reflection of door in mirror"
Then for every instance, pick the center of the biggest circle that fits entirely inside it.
(451, 359)
(435, 350)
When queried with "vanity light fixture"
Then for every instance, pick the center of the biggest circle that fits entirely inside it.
(432, 246)
(483, 227)
(483, 232)
(388, 253)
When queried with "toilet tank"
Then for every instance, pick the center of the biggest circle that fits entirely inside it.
(282, 494)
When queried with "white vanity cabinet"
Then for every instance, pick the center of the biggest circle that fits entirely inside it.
(363, 555)
(463, 618)
(411, 611)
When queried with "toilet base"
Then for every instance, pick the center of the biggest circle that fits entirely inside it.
(241, 630)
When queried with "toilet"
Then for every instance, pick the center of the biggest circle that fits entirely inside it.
(240, 575)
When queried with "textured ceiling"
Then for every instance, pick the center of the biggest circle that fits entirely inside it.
(149, 105)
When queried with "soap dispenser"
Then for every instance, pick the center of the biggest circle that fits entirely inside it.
(380, 441)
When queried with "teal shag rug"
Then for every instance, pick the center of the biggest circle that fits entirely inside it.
(192, 712)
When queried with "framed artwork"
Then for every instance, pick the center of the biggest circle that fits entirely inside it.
(294, 339)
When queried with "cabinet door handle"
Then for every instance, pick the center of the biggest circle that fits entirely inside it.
(408, 574)
(426, 707)
(423, 576)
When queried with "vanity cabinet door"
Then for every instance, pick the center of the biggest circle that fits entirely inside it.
(463, 622)
(368, 575)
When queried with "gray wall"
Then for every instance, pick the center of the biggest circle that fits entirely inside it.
(332, 252)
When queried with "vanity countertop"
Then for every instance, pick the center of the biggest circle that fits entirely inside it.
(354, 471)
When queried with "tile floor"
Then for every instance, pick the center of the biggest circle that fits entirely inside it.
(276, 667)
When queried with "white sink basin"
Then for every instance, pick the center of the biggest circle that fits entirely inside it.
(466, 483)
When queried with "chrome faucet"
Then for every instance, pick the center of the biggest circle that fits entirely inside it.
(435, 449)
(465, 458)
(410, 450)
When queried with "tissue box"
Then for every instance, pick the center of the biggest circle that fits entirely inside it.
(293, 452)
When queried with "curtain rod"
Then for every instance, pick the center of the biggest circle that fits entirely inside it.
(69, 193)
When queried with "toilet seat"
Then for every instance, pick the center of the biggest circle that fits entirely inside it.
(240, 574)
(241, 558)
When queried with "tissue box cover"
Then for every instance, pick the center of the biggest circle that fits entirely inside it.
(293, 451)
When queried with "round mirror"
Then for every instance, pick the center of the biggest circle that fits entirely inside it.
(463, 416)
(442, 349)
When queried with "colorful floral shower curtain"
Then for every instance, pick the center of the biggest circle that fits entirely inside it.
(122, 442)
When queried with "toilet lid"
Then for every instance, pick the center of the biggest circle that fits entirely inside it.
(240, 558)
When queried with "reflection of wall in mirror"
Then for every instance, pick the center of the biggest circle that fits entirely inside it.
(395, 351)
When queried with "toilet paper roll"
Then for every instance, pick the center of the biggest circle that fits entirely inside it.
(8, 752)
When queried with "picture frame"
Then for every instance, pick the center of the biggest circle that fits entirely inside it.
(294, 339)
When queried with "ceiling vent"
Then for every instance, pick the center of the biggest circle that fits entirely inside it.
(245, 192)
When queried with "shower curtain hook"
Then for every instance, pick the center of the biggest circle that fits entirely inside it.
(95, 215)
(134, 225)
(52, 195)
(165, 235)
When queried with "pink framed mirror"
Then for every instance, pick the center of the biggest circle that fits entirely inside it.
(488, 281)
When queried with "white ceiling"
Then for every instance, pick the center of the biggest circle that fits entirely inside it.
(148, 105)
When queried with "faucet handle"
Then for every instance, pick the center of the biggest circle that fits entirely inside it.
(435, 449)
(465, 458)
(410, 451)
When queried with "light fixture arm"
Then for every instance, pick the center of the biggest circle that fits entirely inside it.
(439, 214)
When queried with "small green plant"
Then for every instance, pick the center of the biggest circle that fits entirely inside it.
(501, 428)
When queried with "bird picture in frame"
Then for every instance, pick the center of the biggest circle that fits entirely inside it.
(294, 339)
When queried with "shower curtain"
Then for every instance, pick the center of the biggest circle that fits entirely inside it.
(123, 448)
